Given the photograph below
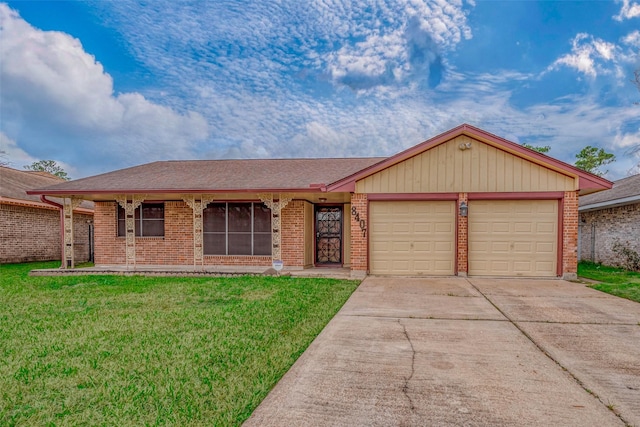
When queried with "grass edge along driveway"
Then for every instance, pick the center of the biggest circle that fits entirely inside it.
(106, 350)
(615, 281)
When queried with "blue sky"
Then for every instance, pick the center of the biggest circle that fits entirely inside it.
(103, 85)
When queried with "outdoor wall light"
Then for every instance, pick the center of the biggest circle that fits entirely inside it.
(464, 209)
(322, 199)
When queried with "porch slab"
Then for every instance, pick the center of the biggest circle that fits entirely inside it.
(192, 271)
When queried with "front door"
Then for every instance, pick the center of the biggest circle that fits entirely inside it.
(328, 235)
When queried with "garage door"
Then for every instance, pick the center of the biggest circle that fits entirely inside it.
(412, 238)
(513, 238)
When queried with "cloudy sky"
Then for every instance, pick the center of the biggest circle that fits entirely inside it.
(103, 85)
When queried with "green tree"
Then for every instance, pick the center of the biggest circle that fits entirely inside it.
(591, 159)
(543, 149)
(49, 166)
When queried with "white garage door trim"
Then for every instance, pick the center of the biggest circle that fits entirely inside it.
(412, 237)
(513, 238)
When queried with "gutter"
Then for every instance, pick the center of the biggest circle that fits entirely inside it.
(610, 203)
(61, 209)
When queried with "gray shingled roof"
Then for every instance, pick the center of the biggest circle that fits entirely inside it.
(217, 175)
(14, 184)
(622, 189)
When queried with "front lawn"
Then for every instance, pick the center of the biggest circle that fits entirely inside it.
(615, 281)
(115, 350)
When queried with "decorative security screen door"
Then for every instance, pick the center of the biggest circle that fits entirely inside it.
(328, 234)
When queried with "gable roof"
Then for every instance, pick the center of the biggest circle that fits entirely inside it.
(624, 191)
(15, 184)
(209, 176)
(587, 182)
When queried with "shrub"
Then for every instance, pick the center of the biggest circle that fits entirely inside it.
(628, 258)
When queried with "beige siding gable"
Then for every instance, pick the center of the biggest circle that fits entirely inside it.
(446, 168)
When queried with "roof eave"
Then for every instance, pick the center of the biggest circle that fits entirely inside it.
(44, 191)
(610, 203)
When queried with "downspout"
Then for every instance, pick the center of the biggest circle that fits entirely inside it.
(61, 209)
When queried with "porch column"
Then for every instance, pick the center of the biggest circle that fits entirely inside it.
(276, 209)
(130, 207)
(68, 253)
(198, 203)
(463, 237)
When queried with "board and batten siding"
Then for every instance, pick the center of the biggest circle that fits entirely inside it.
(446, 168)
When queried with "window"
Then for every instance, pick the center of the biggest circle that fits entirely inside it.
(237, 229)
(149, 220)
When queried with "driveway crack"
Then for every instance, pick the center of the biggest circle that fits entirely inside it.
(405, 387)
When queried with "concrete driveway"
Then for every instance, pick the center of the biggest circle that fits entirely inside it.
(467, 352)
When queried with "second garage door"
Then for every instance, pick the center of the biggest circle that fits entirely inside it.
(412, 238)
(513, 238)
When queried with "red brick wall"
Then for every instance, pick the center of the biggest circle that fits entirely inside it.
(570, 235)
(359, 240)
(463, 238)
(292, 237)
(176, 247)
(33, 234)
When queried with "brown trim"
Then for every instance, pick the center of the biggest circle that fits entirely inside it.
(377, 197)
(543, 195)
(41, 205)
(457, 237)
(560, 255)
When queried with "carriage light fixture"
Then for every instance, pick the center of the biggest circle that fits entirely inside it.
(464, 209)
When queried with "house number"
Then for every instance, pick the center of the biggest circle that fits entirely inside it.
(362, 222)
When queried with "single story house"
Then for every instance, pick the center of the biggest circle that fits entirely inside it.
(465, 202)
(608, 217)
(30, 228)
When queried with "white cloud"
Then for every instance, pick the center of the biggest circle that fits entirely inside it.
(629, 10)
(12, 154)
(632, 39)
(49, 79)
(587, 53)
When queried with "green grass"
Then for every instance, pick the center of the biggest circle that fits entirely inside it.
(115, 350)
(614, 281)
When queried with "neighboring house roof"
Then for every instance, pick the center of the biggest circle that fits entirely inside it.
(587, 182)
(15, 183)
(624, 191)
(189, 176)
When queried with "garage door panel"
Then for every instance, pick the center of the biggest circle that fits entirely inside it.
(421, 239)
(513, 237)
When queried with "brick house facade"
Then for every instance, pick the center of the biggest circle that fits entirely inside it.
(397, 215)
(30, 228)
(608, 217)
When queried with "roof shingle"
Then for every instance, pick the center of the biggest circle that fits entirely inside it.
(217, 175)
(623, 188)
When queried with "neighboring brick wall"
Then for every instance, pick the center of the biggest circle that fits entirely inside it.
(570, 235)
(292, 237)
(81, 237)
(621, 222)
(33, 234)
(176, 247)
(359, 241)
(463, 237)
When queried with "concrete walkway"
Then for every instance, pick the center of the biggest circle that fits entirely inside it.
(467, 352)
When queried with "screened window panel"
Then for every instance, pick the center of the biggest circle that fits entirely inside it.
(215, 243)
(237, 229)
(262, 244)
(239, 244)
(215, 218)
(153, 227)
(261, 218)
(239, 217)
